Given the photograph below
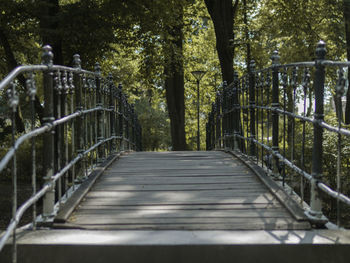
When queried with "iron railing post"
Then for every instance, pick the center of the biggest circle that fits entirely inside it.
(252, 107)
(121, 116)
(218, 121)
(315, 212)
(236, 112)
(79, 124)
(112, 112)
(48, 140)
(275, 118)
(225, 131)
(100, 121)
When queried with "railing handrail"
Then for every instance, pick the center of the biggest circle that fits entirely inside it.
(225, 130)
(98, 109)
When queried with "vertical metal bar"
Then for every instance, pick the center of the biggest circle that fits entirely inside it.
(64, 141)
(100, 120)
(315, 211)
(305, 84)
(121, 116)
(198, 126)
(31, 88)
(85, 119)
(284, 84)
(91, 119)
(339, 93)
(256, 96)
(48, 159)
(246, 90)
(72, 91)
(13, 103)
(275, 105)
(262, 117)
(79, 122)
(252, 107)
(58, 135)
(112, 112)
(236, 111)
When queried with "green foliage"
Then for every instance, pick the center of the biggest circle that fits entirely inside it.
(155, 125)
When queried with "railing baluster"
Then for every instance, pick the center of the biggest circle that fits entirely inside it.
(112, 112)
(13, 103)
(275, 117)
(315, 211)
(339, 93)
(284, 86)
(72, 92)
(305, 84)
(79, 126)
(48, 149)
(58, 134)
(31, 88)
(252, 98)
(65, 137)
(100, 121)
(236, 112)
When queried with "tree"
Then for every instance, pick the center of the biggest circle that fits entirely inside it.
(223, 16)
(174, 79)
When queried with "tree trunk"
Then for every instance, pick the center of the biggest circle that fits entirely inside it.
(246, 33)
(222, 13)
(174, 85)
(49, 28)
(346, 9)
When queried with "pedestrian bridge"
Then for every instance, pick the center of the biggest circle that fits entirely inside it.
(173, 206)
(271, 186)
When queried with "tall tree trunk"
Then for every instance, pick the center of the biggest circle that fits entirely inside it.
(346, 10)
(222, 13)
(246, 33)
(49, 28)
(174, 84)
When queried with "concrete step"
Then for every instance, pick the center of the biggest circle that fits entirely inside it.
(58, 246)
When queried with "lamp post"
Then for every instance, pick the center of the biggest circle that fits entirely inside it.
(198, 74)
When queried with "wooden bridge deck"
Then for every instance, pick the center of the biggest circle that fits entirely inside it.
(181, 191)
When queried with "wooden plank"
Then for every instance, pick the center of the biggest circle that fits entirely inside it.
(181, 190)
(183, 201)
(195, 226)
(176, 187)
(240, 221)
(182, 195)
(242, 213)
(184, 207)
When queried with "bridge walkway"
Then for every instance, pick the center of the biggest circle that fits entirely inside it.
(181, 191)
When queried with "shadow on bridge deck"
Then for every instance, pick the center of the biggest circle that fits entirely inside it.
(181, 191)
(181, 207)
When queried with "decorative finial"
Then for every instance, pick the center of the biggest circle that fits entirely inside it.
(47, 56)
(98, 68)
(235, 75)
(110, 77)
(252, 65)
(76, 61)
(275, 58)
(321, 50)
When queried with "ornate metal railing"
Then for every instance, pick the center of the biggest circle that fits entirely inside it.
(85, 120)
(276, 116)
